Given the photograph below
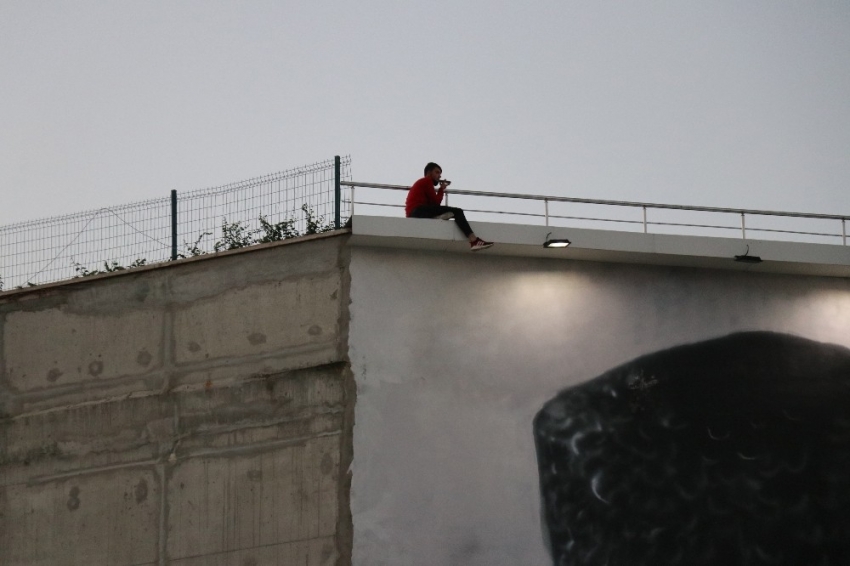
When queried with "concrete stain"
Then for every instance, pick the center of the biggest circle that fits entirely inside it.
(141, 490)
(53, 375)
(194, 347)
(327, 464)
(141, 293)
(314, 330)
(96, 368)
(257, 338)
(144, 358)
(74, 499)
(468, 550)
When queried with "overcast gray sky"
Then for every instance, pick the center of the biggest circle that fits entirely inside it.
(726, 103)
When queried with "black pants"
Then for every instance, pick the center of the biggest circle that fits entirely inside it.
(433, 211)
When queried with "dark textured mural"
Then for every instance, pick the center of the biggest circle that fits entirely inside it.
(732, 451)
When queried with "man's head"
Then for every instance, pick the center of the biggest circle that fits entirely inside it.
(434, 171)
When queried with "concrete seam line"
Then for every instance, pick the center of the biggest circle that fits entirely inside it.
(243, 549)
(87, 471)
(258, 447)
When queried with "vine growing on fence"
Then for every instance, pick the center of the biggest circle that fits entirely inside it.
(234, 235)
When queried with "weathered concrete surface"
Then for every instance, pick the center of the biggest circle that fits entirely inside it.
(54, 345)
(283, 496)
(98, 518)
(196, 413)
(260, 319)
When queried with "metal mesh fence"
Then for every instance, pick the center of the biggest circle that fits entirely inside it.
(300, 200)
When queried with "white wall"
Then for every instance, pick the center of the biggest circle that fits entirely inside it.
(454, 354)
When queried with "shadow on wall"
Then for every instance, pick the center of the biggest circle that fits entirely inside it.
(732, 451)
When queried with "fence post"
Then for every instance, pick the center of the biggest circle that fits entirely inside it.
(546, 206)
(173, 225)
(844, 230)
(644, 220)
(743, 227)
(337, 192)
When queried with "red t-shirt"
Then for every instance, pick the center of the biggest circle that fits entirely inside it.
(422, 193)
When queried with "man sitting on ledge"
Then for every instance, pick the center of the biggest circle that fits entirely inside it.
(423, 202)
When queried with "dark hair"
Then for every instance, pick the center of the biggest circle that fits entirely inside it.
(431, 166)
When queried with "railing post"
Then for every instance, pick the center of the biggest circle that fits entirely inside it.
(337, 192)
(351, 208)
(546, 207)
(173, 225)
(644, 220)
(743, 227)
(844, 230)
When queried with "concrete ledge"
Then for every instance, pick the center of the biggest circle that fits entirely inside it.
(40, 291)
(606, 246)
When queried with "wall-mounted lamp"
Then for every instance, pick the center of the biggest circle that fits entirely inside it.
(555, 242)
(747, 258)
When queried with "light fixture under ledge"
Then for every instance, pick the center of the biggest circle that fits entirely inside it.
(747, 258)
(555, 242)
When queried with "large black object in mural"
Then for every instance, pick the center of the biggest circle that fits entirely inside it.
(733, 451)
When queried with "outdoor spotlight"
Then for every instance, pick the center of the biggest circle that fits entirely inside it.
(555, 243)
(747, 258)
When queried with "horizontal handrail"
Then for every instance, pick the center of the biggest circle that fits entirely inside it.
(613, 202)
(621, 221)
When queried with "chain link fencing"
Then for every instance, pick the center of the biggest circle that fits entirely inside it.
(298, 201)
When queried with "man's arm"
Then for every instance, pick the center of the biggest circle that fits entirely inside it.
(440, 193)
(442, 190)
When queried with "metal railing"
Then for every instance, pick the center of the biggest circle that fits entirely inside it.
(644, 223)
(164, 229)
(182, 224)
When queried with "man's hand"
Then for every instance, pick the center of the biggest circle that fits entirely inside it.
(444, 184)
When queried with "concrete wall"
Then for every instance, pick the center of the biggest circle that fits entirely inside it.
(203, 413)
(455, 353)
(192, 414)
